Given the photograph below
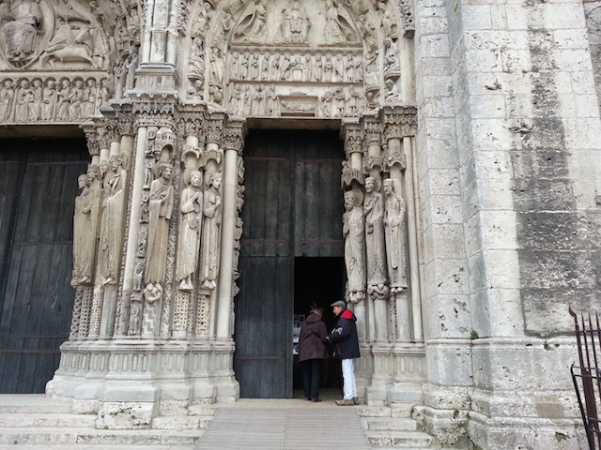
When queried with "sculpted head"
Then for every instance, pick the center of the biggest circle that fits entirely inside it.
(196, 179)
(370, 184)
(165, 170)
(349, 200)
(388, 186)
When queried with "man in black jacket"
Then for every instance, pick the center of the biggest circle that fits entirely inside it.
(346, 347)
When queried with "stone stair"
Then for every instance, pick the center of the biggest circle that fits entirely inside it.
(390, 427)
(37, 421)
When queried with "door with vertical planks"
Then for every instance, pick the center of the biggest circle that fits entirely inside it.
(38, 186)
(292, 207)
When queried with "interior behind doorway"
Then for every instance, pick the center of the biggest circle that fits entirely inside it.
(319, 281)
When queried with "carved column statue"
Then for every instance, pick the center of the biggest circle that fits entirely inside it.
(373, 207)
(354, 256)
(211, 233)
(394, 223)
(160, 207)
(191, 215)
(112, 218)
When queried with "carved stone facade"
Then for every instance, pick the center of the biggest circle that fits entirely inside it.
(446, 186)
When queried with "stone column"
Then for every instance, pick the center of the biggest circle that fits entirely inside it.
(233, 146)
(213, 155)
(138, 171)
(123, 148)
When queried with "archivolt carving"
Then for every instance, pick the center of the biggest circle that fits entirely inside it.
(294, 58)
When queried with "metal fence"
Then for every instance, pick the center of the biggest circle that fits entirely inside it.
(587, 375)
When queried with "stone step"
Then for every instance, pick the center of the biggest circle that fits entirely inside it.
(389, 424)
(374, 411)
(40, 436)
(47, 420)
(181, 422)
(97, 447)
(32, 404)
(399, 439)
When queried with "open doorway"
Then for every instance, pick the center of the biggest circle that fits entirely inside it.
(291, 247)
(319, 281)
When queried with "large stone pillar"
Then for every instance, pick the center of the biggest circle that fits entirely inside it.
(232, 142)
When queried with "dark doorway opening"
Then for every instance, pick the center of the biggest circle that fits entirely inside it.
(292, 216)
(319, 281)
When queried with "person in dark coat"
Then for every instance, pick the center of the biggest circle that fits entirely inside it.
(312, 351)
(346, 347)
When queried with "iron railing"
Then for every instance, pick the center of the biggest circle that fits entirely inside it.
(587, 375)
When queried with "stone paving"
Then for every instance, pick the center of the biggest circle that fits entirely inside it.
(294, 424)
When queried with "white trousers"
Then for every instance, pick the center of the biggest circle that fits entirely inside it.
(348, 373)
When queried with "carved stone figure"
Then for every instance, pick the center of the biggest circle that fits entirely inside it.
(211, 232)
(35, 107)
(354, 247)
(112, 219)
(235, 100)
(353, 101)
(258, 104)
(7, 94)
(253, 27)
(62, 100)
(272, 101)
(21, 32)
(369, 32)
(216, 66)
(23, 101)
(88, 106)
(153, 293)
(373, 207)
(202, 21)
(48, 100)
(106, 92)
(84, 224)
(295, 26)
(131, 65)
(191, 203)
(75, 100)
(196, 66)
(317, 68)
(339, 98)
(335, 32)
(160, 206)
(391, 57)
(392, 91)
(394, 225)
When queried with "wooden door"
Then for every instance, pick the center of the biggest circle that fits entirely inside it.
(38, 185)
(288, 174)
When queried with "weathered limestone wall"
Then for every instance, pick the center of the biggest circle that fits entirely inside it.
(520, 100)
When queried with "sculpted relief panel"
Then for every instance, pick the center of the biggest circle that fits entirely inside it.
(63, 60)
(308, 58)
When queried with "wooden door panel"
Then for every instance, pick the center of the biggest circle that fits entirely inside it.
(262, 354)
(36, 298)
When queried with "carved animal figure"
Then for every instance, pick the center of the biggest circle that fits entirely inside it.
(71, 52)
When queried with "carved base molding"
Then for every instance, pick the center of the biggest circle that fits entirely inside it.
(392, 372)
(127, 382)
